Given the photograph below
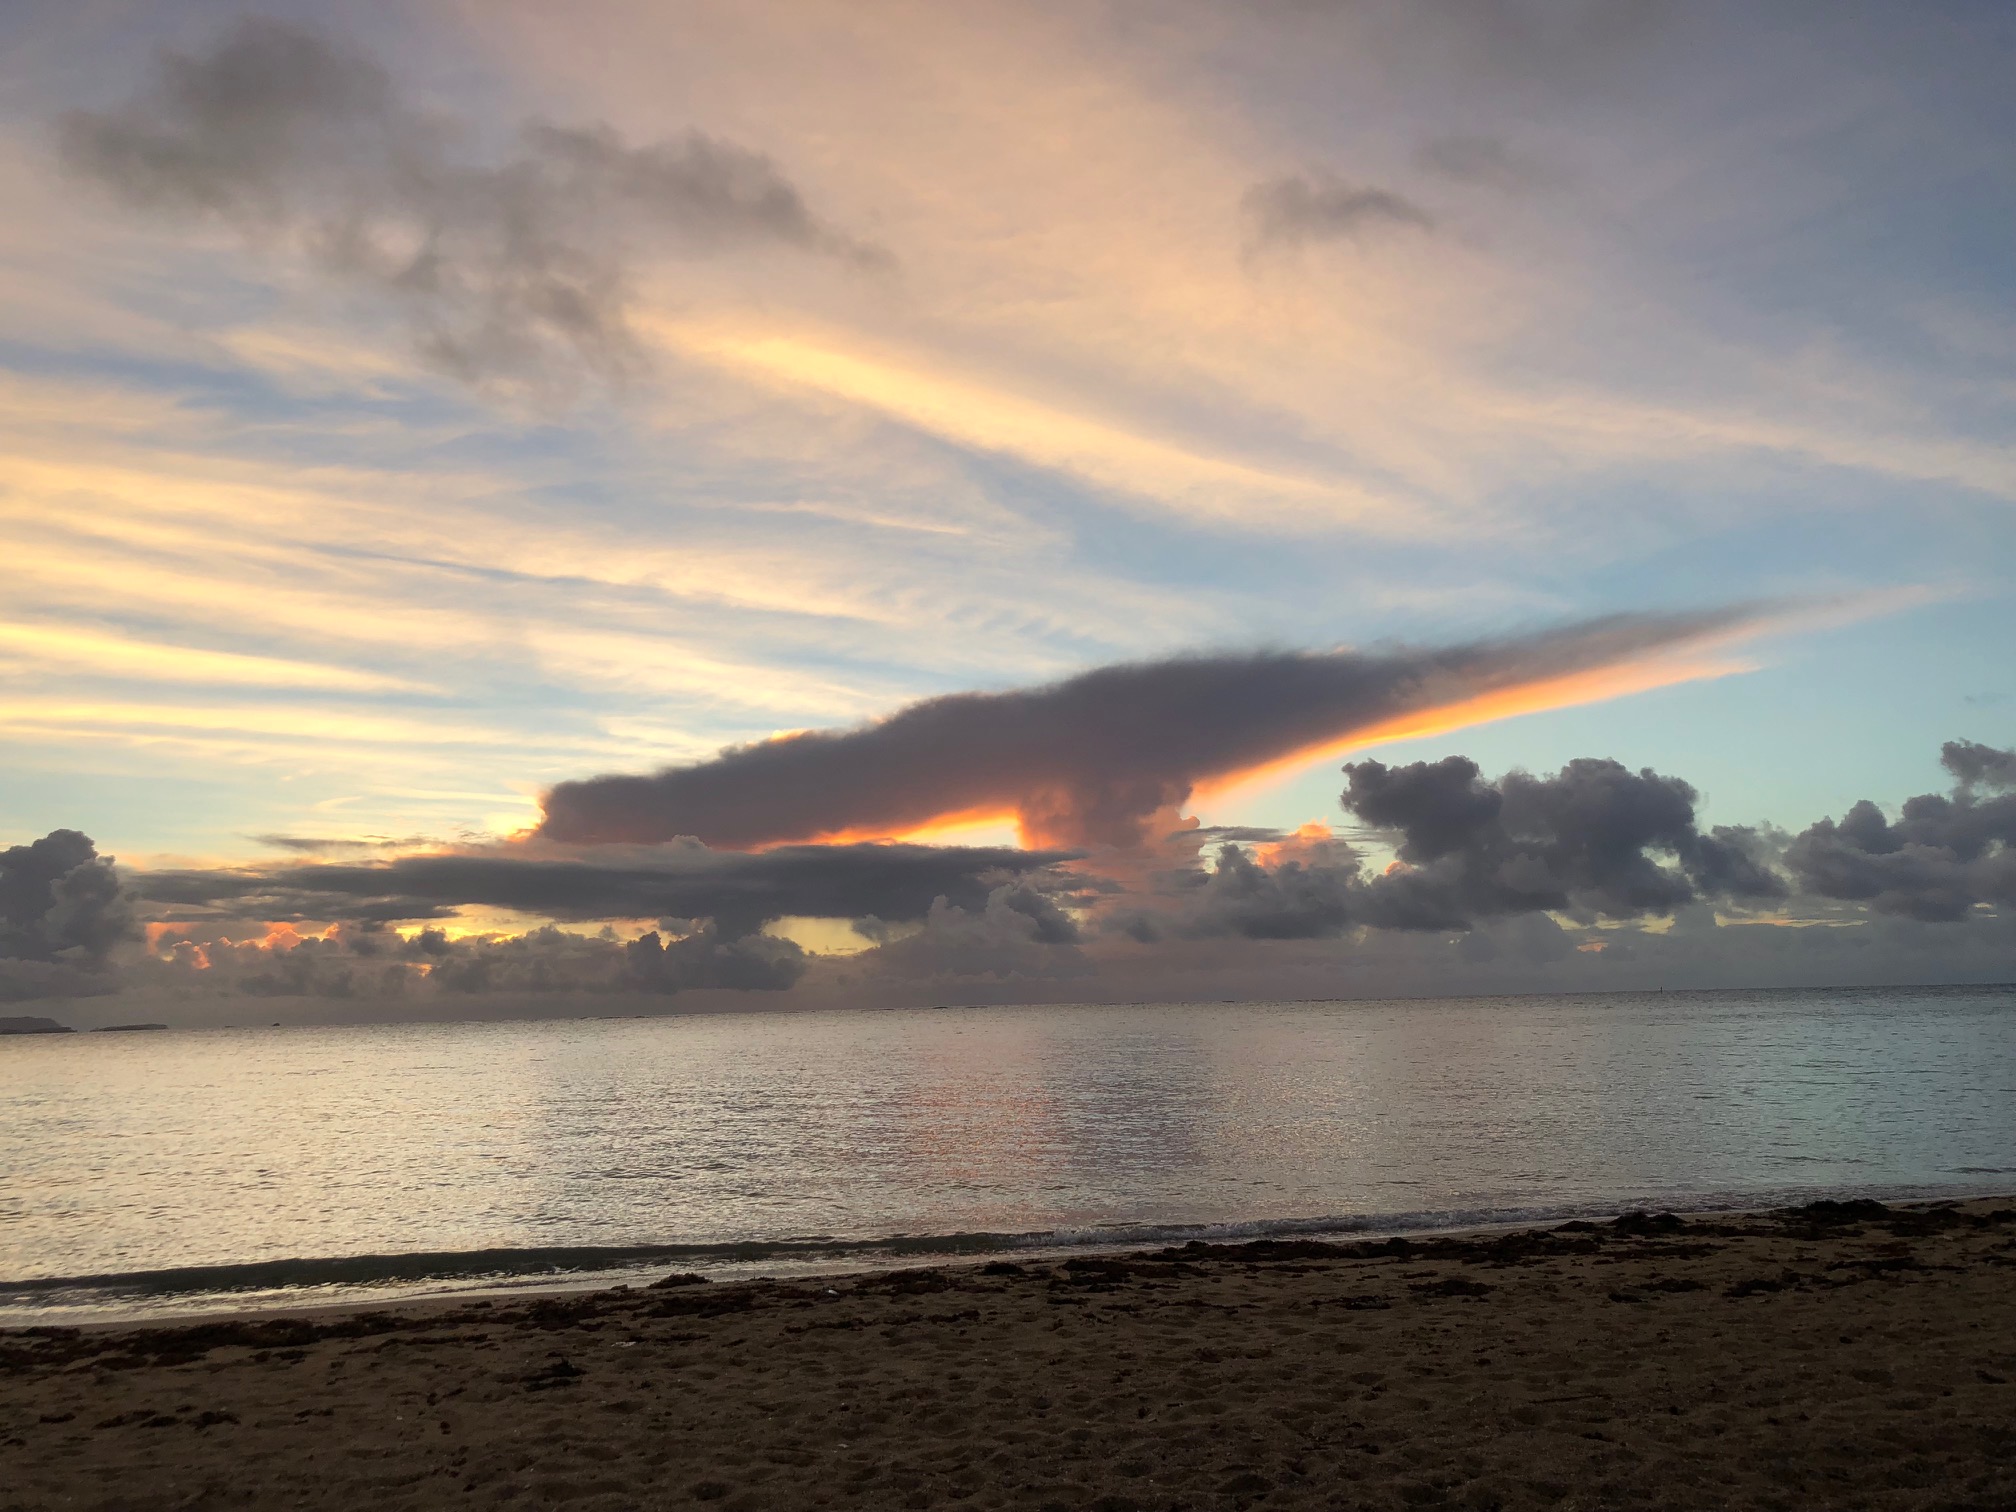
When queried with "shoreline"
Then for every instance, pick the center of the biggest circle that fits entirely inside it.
(868, 1257)
(1846, 1353)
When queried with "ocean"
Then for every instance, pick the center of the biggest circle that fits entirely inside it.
(145, 1175)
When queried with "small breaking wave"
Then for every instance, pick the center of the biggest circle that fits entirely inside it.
(354, 1280)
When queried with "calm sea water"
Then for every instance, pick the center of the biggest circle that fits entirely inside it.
(176, 1171)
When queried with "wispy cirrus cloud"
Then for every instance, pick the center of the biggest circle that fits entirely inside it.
(152, 661)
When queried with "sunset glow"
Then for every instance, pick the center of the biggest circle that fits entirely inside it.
(1572, 691)
(609, 500)
(816, 730)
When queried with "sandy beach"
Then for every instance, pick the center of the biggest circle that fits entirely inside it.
(1832, 1356)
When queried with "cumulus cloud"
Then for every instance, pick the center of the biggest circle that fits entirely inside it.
(1974, 765)
(1016, 934)
(1595, 837)
(503, 263)
(753, 963)
(1091, 760)
(362, 962)
(1300, 208)
(1941, 858)
(1302, 897)
(62, 910)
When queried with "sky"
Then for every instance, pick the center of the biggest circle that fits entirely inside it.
(1042, 444)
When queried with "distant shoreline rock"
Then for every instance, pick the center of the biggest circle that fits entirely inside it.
(25, 1025)
(127, 1028)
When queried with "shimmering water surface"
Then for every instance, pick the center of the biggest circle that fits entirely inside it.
(128, 1160)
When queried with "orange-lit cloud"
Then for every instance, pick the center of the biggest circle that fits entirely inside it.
(1095, 759)
(991, 419)
(1598, 685)
(981, 826)
(125, 657)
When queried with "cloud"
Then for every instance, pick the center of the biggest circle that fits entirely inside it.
(1595, 875)
(62, 910)
(1313, 207)
(754, 963)
(60, 900)
(1090, 760)
(738, 892)
(1940, 859)
(1594, 839)
(1017, 934)
(1586, 839)
(1292, 900)
(1974, 765)
(323, 845)
(1484, 161)
(369, 962)
(502, 264)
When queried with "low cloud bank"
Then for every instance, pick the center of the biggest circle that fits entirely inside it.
(1575, 878)
(1093, 760)
(740, 892)
(236, 926)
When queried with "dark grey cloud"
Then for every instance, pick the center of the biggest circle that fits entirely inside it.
(1941, 858)
(1018, 934)
(502, 263)
(738, 892)
(1091, 760)
(1294, 899)
(62, 910)
(1974, 765)
(754, 963)
(1312, 207)
(1594, 838)
(1049, 924)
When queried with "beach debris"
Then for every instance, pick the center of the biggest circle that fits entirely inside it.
(907, 1283)
(562, 1372)
(1763, 1285)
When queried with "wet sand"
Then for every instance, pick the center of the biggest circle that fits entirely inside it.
(1834, 1356)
